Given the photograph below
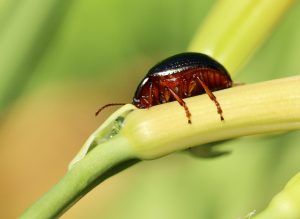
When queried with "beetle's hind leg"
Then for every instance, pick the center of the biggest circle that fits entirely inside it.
(182, 103)
(212, 97)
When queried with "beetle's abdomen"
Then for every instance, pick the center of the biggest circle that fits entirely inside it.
(215, 80)
(187, 83)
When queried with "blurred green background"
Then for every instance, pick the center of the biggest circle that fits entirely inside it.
(61, 60)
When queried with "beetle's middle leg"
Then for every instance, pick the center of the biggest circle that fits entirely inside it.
(150, 98)
(212, 97)
(182, 103)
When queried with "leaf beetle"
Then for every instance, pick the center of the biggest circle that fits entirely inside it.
(181, 76)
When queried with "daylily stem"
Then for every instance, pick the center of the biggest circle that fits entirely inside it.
(270, 106)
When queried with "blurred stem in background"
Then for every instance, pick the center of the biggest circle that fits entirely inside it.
(26, 31)
(286, 203)
(235, 29)
(233, 50)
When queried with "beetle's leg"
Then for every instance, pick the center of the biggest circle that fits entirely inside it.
(185, 87)
(166, 94)
(182, 103)
(155, 94)
(212, 97)
(191, 87)
(150, 95)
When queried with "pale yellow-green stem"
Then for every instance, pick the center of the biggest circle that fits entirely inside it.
(251, 109)
(164, 129)
(225, 33)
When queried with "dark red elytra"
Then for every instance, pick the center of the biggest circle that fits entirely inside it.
(178, 77)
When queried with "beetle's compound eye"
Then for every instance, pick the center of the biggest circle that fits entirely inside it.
(136, 101)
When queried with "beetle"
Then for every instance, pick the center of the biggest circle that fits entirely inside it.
(178, 77)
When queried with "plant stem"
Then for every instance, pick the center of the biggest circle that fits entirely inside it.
(235, 29)
(84, 176)
(271, 106)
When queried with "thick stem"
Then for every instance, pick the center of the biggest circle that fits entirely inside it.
(270, 106)
(266, 107)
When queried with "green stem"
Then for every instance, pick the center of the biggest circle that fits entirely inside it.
(84, 175)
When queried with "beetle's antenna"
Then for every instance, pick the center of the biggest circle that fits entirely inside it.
(108, 105)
